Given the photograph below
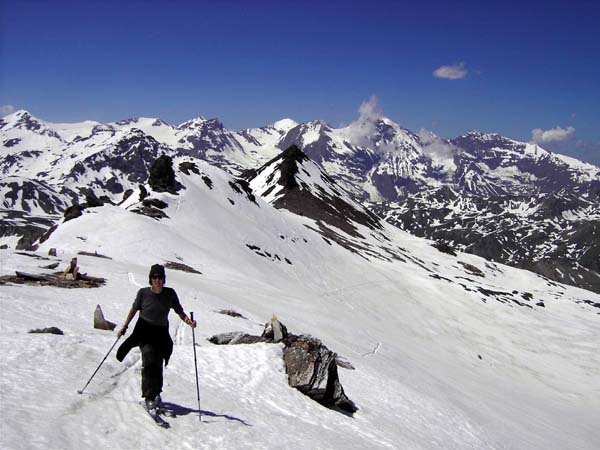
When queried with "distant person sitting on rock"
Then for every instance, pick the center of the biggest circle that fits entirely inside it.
(72, 271)
(151, 333)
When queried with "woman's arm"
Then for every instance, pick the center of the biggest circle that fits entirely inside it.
(129, 318)
(187, 320)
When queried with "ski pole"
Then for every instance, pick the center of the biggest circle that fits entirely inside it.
(98, 368)
(196, 367)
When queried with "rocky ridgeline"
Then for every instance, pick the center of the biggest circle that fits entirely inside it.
(311, 367)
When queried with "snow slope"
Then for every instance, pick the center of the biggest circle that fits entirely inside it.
(444, 358)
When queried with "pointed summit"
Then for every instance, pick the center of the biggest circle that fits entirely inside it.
(16, 117)
(294, 182)
(278, 175)
(290, 160)
(23, 120)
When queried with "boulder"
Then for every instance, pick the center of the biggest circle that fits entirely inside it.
(49, 330)
(100, 322)
(154, 203)
(275, 331)
(310, 365)
(231, 313)
(72, 212)
(92, 201)
(312, 369)
(236, 338)
(180, 266)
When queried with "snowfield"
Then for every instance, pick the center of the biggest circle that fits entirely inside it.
(440, 362)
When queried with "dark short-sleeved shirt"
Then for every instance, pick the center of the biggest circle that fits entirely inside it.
(154, 308)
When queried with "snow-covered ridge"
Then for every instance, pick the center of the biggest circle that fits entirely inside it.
(372, 159)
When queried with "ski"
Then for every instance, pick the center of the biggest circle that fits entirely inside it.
(166, 412)
(160, 421)
(156, 416)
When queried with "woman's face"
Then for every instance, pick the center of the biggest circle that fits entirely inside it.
(157, 283)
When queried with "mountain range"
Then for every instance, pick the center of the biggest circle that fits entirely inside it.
(510, 202)
(437, 348)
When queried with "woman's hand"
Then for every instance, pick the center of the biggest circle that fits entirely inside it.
(190, 322)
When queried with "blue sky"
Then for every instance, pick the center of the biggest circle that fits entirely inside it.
(506, 67)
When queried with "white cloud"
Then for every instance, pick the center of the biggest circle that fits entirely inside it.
(453, 72)
(5, 110)
(556, 134)
(361, 131)
(365, 131)
(370, 109)
(440, 151)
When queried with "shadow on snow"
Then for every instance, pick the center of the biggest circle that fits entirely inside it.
(173, 409)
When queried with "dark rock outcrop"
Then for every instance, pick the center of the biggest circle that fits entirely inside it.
(154, 203)
(76, 210)
(189, 167)
(152, 207)
(73, 212)
(180, 266)
(162, 176)
(231, 313)
(49, 330)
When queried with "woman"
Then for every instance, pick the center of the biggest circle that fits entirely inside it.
(151, 333)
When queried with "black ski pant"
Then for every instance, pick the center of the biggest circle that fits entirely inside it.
(152, 371)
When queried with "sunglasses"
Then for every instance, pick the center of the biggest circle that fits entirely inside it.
(157, 277)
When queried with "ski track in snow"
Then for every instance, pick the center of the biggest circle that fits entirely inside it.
(133, 281)
(372, 352)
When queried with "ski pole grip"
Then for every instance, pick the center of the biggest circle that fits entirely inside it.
(191, 315)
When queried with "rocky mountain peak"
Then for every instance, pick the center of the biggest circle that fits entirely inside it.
(192, 123)
(294, 182)
(23, 120)
(279, 173)
(290, 159)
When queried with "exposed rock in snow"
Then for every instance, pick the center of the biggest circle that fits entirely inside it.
(100, 322)
(275, 330)
(162, 176)
(49, 330)
(311, 367)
